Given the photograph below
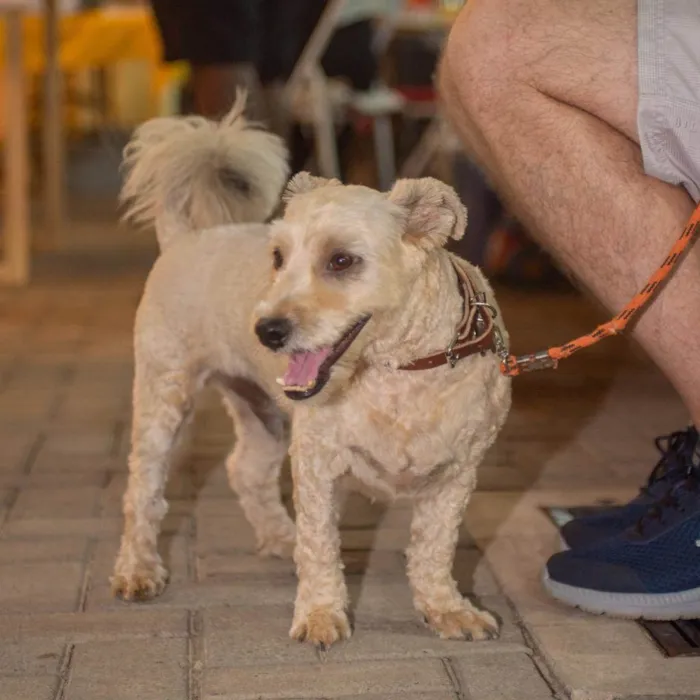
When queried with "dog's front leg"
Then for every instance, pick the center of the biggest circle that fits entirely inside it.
(162, 401)
(320, 611)
(437, 516)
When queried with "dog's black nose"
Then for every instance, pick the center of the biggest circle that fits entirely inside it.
(273, 332)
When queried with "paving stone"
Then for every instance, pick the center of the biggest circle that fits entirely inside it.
(97, 528)
(61, 463)
(495, 514)
(191, 596)
(50, 480)
(329, 680)
(507, 677)
(35, 658)
(386, 536)
(389, 636)
(445, 695)
(225, 533)
(232, 565)
(621, 637)
(43, 688)
(15, 451)
(126, 622)
(58, 549)
(155, 668)
(33, 587)
(81, 443)
(612, 676)
(73, 502)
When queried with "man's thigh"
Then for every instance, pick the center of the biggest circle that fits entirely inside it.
(579, 52)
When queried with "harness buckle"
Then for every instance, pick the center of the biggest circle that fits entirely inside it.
(449, 353)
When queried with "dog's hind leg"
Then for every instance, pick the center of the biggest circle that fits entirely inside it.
(253, 467)
(437, 516)
(162, 402)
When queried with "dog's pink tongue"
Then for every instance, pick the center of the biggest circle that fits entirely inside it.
(303, 367)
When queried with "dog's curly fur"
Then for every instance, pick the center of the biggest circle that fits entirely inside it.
(417, 435)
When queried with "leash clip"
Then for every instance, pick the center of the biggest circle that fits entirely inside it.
(536, 361)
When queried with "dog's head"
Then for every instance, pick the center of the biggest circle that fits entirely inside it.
(344, 259)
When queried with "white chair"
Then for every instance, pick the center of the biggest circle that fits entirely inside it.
(316, 100)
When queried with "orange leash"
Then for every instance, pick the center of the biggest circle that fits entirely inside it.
(514, 365)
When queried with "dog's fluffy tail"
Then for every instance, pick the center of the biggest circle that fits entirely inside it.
(188, 173)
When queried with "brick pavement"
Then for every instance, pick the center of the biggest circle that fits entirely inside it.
(220, 629)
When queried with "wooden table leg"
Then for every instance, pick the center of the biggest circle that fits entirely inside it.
(15, 266)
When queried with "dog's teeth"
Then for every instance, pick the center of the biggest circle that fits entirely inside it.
(298, 387)
(280, 381)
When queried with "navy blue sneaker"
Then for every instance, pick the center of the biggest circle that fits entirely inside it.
(676, 458)
(649, 571)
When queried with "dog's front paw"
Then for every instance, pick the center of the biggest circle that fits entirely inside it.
(322, 627)
(466, 622)
(139, 585)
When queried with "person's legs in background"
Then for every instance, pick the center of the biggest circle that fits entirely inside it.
(349, 56)
(282, 37)
(220, 40)
(545, 95)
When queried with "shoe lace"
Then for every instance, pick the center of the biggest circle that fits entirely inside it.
(682, 452)
(672, 501)
(676, 455)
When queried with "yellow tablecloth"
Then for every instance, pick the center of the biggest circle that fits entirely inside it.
(105, 38)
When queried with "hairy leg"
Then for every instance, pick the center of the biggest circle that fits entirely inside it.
(320, 609)
(253, 467)
(544, 94)
(162, 403)
(434, 532)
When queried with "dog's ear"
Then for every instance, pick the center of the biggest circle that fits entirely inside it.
(433, 211)
(305, 182)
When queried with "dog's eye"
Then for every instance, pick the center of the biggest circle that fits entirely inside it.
(277, 259)
(340, 262)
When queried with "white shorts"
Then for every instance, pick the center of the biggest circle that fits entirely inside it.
(668, 115)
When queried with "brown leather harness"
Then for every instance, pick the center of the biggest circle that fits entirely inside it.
(476, 332)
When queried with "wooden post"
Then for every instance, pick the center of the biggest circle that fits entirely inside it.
(15, 266)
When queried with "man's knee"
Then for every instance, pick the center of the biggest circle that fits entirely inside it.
(476, 61)
(488, 52)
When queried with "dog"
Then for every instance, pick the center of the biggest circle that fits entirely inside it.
(345, 318)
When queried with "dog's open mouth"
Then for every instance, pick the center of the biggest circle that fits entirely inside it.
(309, 371)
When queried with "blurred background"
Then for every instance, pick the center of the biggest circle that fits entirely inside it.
(349, 83)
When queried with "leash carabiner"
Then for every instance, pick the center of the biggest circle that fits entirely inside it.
(513, 365)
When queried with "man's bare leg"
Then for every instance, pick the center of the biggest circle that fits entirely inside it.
(214, 89)
(544, 94)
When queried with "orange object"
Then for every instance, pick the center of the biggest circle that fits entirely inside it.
(514, 365)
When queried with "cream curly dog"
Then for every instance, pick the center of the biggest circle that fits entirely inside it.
(381, 346)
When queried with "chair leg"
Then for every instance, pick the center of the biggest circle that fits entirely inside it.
(425, 150)
(384, 151)
(324, 127)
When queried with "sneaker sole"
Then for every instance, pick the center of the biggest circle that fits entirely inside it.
(635, 606)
